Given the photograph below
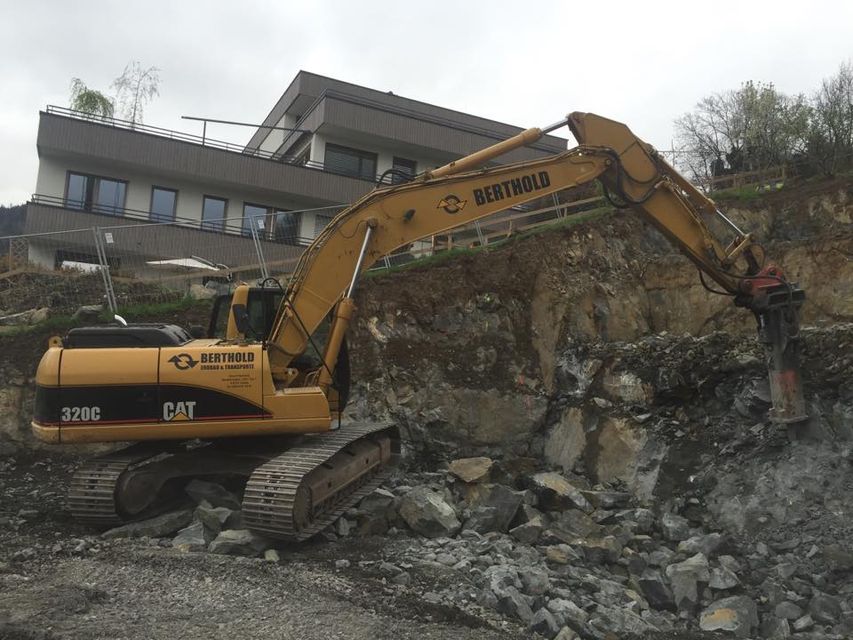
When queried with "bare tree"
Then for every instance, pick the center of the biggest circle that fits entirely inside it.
(831, 133)
(90, 101)
(135, 88)
(751, 128)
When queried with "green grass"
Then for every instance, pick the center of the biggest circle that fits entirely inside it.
(62, 323)
(452, 254)
(154, 309)
(744, 194)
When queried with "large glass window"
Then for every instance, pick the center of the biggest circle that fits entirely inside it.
(213, 213)
(272, 223)
(285, 227)
(254, 215)
(163, 203)
(405, 169)
(94, 193)
(351, 162)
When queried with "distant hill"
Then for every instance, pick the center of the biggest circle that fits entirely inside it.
(12, 220)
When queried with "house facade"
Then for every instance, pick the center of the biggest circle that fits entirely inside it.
(324, 144)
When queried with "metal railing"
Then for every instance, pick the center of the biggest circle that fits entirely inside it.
(228, 226)
(205, 141)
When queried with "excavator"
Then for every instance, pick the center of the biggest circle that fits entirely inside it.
(263, 402)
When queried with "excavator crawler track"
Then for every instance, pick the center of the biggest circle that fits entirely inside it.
(283, 496)
(92, 493)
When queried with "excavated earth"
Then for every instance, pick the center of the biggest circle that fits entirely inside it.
(627, 482)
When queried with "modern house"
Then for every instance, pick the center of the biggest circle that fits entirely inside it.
(324, 144)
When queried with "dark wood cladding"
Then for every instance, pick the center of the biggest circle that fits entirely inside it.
(59, 135)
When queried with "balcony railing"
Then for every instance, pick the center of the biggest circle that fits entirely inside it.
(229, 226)
(213, 143)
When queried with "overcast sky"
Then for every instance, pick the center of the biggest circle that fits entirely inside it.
(527, 63)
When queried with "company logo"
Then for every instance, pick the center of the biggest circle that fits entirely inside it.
(183, 361)
(173, 411)
(452, 204)
(512, 188)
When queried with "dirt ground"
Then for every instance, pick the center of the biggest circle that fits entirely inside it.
(59, 580)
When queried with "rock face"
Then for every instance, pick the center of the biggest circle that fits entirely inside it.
(428, 513)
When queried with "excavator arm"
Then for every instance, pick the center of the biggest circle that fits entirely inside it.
(634, 176)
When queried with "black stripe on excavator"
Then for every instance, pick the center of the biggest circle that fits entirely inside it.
(115, 404)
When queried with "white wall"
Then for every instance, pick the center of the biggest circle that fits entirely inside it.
(52, 173)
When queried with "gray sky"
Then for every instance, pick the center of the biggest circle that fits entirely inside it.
(524, 62)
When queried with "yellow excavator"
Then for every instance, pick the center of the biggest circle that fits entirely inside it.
(263, 402)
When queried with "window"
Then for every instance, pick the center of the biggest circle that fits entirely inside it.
(272, 223)
(285, 227)
(320, 223)
(93, 193)
(403, 168)
(213, 213)
(163, 203)
(351, 162)
(253, 215)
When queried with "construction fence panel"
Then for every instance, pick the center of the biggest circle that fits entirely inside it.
(59, 271)
(162, 262)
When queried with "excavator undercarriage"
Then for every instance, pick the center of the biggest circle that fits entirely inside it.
(294, 486)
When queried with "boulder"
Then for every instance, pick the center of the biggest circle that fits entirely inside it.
(599, 550)
(515, 604)
(529, 532)
(88, 313)
(215, 518)
(722, 579)
(607, 499)
(192, 538)
(472, 469)
(825, 609)
(428, 514)
(157, 527)
(544, 624)
(239, 542)
(216, 495)
(737, 615)
(775, 629)
(535, 580)
(567, 613)
(706, 544)
(674, 528)
(655, 590)
(686, 578)
(379, 502)
(617, 622)
(787, 610)
(494, 506)
(557, 493)
(803, 624)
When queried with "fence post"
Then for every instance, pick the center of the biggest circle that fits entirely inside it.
(258, 247)
(105, 269)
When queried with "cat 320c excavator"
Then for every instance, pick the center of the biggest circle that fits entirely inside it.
(259, 408)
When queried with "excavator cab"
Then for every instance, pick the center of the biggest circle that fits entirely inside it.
(261, 306)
